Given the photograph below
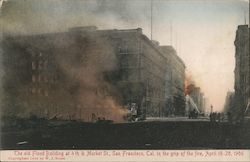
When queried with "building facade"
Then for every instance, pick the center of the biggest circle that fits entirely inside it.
(229, 101)
(74, 74)
(242, 70)
(175, 86)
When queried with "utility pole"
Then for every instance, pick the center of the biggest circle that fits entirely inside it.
(245, 20)
(171, 33)
(80, 113)
(176, 42)
(211, 108)
(151, 20)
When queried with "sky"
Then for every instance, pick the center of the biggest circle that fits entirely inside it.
(203, 31)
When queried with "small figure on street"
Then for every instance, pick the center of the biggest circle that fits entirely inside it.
(222, 117)
(229, 117)
(219, 117)
(133, 111)
(93, 118)
(193, 114)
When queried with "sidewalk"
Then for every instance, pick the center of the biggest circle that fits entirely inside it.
(176, 119)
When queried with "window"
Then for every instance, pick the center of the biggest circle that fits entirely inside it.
(125, 75)
(45, 79)
(33, 78)
(39, 78)
(40, 65)
(38, 90)
(33, 65)
(124, 47)
(33, 90)
(45, 64)
(46, 93)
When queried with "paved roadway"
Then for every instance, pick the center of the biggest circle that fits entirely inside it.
(154, 133)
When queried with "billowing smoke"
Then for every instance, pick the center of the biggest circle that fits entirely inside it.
(189, 83)
(34, 16)
(93, 95)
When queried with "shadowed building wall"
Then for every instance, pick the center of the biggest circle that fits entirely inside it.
(242, 70)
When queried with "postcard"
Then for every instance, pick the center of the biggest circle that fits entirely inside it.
(124, 80)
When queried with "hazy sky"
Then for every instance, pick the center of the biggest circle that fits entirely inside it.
(203, 31)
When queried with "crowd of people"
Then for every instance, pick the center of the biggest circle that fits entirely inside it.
(220, 117)
(193, 114)
(216, 117)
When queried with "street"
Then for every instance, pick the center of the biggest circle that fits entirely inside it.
(158, 134)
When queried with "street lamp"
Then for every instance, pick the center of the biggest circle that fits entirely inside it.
(211, 108)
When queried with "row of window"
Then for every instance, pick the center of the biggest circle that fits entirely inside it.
(42, 78)
(155, 92)
(244, 79)
(40, 54)
(39, 91)
(39, 78)
(41, 64)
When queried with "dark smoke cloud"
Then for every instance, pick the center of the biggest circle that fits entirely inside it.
(123, 10)
(39, 16)
(93, 93)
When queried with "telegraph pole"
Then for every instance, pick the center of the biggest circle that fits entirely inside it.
(211, 108)
(171, 33)
(245, 20)
(151, 20)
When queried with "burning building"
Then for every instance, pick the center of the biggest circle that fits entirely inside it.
(196, 98)
(242, 71)
(87, 73)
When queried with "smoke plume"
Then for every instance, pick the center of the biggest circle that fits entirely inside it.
(91, 92)
(35, 16)
(189, 83)
(95, 95)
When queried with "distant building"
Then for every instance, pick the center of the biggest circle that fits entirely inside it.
(242, 70)
(229, 102)
(73, 74)
(197, 97)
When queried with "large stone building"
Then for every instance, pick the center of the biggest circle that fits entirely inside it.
(242, 70)
(87, 72)
(175, 86)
